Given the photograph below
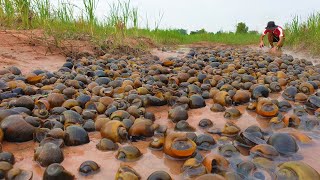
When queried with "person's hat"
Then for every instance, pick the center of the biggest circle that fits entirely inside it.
(271, 25)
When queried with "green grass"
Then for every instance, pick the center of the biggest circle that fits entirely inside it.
(305, 35)
(175, 37)
(7, 12)
(122, 21)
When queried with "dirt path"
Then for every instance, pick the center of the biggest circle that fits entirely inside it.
(16, 49)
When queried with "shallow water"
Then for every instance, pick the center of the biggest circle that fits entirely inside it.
(156, 160)
(152, 160)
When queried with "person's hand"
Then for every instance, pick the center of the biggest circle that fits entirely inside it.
(275, 51)
(261, 45)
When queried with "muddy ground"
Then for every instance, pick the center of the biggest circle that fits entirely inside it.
(17, 50)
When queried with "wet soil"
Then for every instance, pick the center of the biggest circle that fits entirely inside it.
(151, 160)
(17, 49)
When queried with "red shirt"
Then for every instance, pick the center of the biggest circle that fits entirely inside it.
(278, 32)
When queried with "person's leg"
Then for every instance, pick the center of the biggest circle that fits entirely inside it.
(281, 43)
(270, 39)
(277, 40)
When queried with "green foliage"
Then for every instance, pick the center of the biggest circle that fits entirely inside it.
(304, 34)
(175, 37)
(220, 32)
(7, 12)
(182, 31)
(242, 28)
(201, 31)
(43, 9)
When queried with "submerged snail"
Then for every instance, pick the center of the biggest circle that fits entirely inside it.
(230, 129)
(177, 145)
(16, 173)
(128, 153)
(232, 113)
(157, 143)
(215, 163)
(222, 98)
(296, 170)
(193, 168)
(241, 97)
(177, 114)
(264, 150)
(283, 143)
(115, 131)
(127, 173)
(57, 171)
(159, 175)
(142, 127)
(48, 154)
(107, 145)
(205, 142)
(88, 168)
(266, 108)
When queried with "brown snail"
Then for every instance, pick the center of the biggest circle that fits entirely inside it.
(115, 131)
(266, 108)
(178, 145)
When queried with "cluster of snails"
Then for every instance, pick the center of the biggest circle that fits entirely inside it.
(111, 94)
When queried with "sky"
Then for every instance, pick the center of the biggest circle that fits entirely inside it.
(214, 15)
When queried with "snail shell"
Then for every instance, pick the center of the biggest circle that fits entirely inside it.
(115, 131)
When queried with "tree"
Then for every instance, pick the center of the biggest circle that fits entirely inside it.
(182, 31)
(242, 28)
(220, 32)
(201, 31)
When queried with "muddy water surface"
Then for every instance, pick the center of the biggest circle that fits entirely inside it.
(151, 160)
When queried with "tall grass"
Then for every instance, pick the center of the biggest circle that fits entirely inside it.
(158, 21)
(25, 13)
(135, 18)
(42, 7)
(64, 13)
(305, 34)
(90, 7)
(7, 12)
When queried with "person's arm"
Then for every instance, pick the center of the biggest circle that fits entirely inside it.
(281, 39)
(280, 43)
(261, 40)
